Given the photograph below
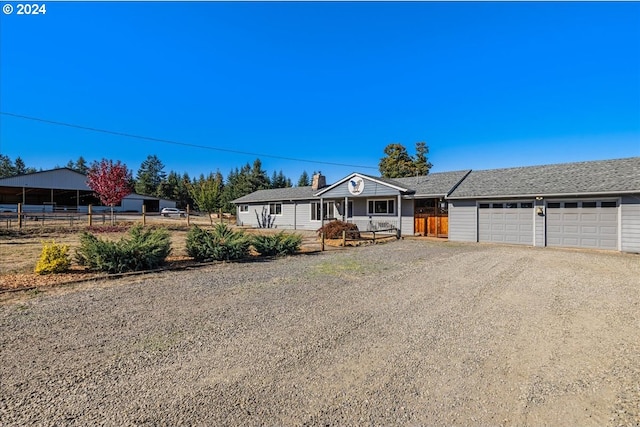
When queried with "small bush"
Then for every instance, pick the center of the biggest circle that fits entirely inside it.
(53, 259)
(140, 250)
(334, 229)
(219, 244)
(277, 244)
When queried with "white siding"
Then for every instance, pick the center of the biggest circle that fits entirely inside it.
(630, 224)
(463, 221)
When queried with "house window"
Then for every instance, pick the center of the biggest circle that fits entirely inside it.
(329, 211)
(484, 205)
(553, 205)
(526, 205)
(381, 207)
(608, 204)
(244, 208)
(350, 209)
(497, 205)
(571, 204)
(588, 204)
(275, 208)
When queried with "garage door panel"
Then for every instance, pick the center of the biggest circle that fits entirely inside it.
(506, 225)
(588, 227)
(570, 229)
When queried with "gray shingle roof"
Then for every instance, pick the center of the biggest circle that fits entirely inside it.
(582, 178)
(433, 185)
(277, 194)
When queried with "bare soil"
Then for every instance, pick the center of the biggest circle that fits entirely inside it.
(408, 332)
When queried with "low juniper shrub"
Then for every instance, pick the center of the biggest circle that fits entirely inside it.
(140, 250)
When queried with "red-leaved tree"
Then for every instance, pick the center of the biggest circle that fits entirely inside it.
(112, 182)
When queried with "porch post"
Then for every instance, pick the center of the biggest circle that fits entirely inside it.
(345, 211)
(321, 212)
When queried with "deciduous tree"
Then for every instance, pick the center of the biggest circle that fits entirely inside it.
(111, 181)
(207, 193)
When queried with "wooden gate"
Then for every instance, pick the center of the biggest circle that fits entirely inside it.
(431, 218)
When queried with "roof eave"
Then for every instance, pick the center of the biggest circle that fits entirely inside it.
(546, 195)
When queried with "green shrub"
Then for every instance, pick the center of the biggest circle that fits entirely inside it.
(219, 244)
(277, 244)
(140, 250)
(334, 229)
(53, 259)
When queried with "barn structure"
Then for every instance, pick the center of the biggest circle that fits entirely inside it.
(64, 189)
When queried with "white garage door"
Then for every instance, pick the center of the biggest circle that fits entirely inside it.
(583, 224)
(506, 222)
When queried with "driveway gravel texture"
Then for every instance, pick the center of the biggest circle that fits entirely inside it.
(410, 332)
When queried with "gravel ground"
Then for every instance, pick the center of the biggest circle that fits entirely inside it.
(403, 333)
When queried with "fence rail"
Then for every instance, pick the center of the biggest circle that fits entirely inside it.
(17, 218)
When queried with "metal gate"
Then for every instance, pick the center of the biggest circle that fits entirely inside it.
(506, 222)
(583, 224)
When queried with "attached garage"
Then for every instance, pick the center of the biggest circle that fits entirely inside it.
(583, 224)
(506, 222)
(594, 205)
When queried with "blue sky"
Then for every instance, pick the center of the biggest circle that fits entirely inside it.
(486, 85)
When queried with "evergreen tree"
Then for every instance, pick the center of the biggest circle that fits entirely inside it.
(397, 163)
(279, 180)
(6, 166)
(258, 177)
(19, 167)
(421, 165)
(81, 165)
(304, 180)
(150, 175)
(238, 184)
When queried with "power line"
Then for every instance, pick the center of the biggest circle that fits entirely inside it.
(183, 144)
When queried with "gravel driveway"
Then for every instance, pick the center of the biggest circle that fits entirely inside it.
(405, 333)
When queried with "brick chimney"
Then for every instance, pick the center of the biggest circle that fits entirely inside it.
(319, 181)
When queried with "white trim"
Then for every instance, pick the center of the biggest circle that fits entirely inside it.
(275, 203)
(620, 223)
(330, 213)
(364, 177)
(395, 202)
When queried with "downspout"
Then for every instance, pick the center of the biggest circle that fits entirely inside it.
(399, 215)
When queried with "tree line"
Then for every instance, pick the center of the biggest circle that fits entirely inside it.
(212, 192)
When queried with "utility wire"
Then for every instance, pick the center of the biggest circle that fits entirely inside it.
(184, 144)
